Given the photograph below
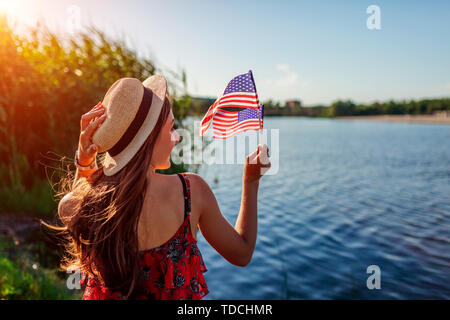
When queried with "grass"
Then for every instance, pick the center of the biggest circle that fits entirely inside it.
(38, 201)
(22, 277)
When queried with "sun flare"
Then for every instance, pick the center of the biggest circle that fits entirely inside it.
(11, 7)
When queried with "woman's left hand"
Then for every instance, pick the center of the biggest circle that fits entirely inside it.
(90, 121)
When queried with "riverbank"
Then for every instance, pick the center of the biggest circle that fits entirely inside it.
(436, 119)
(29, 262)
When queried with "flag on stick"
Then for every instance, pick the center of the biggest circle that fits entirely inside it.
(228, 123)
(240, 92)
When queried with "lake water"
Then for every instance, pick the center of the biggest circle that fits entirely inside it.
(348, 194)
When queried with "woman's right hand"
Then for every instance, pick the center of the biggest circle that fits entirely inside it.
(257, 164)
(89, 123)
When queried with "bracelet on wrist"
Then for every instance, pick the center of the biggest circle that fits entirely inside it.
(93, 165)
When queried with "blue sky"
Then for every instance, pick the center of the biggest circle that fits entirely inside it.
(315, 51)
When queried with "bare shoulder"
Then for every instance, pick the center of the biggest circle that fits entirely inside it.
(197, 182)
(201, 192)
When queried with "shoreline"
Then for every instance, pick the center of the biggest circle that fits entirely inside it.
(433, 119)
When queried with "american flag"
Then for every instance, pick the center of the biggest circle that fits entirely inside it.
(228, 123)
(240, 92)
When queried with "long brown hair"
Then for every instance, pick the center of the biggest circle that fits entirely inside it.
(102, 231)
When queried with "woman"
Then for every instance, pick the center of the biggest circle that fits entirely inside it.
(132, 232)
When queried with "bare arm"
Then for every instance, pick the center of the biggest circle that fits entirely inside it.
(232, 243)
(83, 174)
(87, 153)
(247, 220)
(236, 244)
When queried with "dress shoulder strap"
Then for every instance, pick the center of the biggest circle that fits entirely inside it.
(186, 193)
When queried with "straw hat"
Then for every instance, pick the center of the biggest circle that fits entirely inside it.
(132, 109)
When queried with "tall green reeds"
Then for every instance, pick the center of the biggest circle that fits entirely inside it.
(46, 83)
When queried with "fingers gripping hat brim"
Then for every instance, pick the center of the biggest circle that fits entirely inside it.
(158, 85)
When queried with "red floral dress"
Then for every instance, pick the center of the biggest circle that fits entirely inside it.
(172, 271)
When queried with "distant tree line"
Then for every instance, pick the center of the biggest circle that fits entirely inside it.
(338, 108)
(425, 106)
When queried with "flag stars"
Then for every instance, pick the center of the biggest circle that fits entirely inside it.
(241, 83)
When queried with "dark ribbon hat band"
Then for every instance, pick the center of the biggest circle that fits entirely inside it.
(136, 124)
